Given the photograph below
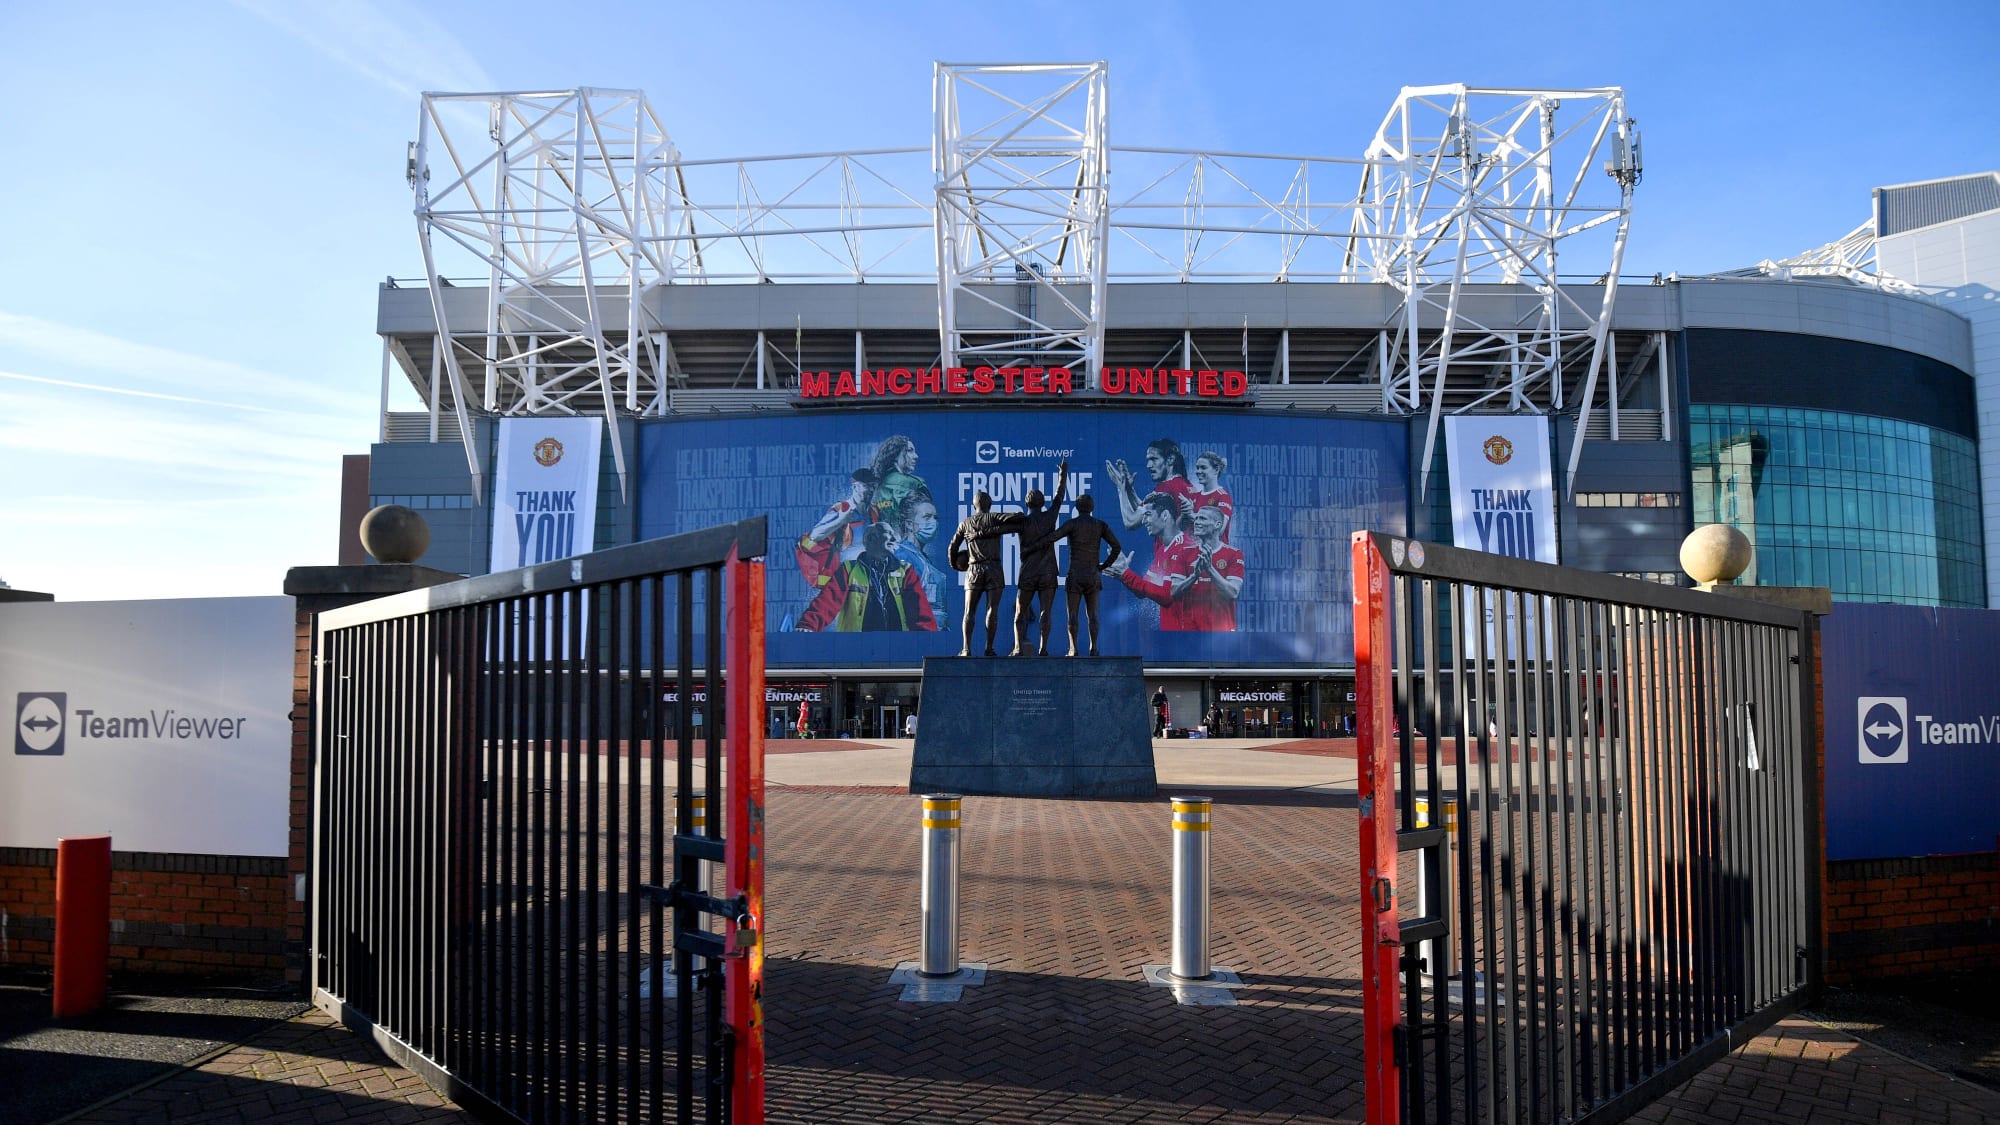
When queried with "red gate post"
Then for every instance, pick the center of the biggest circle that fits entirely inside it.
(83, 924)
(743, 843)
(1381, 1012)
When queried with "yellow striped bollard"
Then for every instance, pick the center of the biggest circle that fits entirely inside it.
(1191, 825)
(938, 948)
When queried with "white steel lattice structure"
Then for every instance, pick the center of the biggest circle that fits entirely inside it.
(1023, 213)
(1490, 185)
(1850, 257)
(564, 206)
(1495, 218)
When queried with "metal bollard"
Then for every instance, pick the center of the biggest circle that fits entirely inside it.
(1191, 826)
(1440, 954)
(1447, 946)
(938, 951)
(699, 798)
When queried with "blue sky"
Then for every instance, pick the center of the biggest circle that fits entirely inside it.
(199, 199)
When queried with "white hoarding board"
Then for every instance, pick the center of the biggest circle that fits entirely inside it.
(1502, 489)
(166, 724)
(545, 491)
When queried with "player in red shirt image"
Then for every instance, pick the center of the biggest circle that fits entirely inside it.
(1204, 598)
(1195, 577)
(1208, 491)
(1167, 466)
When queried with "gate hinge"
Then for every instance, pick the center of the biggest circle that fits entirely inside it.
(736, 910)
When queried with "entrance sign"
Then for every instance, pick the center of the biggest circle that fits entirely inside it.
(545, 491)
(166, 724)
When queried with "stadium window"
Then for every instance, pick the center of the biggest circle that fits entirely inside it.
(1628, 499)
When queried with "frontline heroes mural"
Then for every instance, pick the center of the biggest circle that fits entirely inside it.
(1232, 529)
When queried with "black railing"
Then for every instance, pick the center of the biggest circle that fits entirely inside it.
(1636, 854)
(496, 801)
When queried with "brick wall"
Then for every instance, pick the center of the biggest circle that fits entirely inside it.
(1912, 917)
(169, 913)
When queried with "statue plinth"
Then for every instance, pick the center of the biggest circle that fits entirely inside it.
(1034, 726)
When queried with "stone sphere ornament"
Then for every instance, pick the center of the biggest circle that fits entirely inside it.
(395, 534)
(1716, 553)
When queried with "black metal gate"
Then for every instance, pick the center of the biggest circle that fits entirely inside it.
(496, 795)
(1631, 885)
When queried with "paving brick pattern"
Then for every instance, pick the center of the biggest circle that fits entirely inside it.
(1065, 902)
(307, 1070)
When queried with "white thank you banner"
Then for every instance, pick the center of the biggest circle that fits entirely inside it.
(1502, 488)
(545, 492)
(1503, 503)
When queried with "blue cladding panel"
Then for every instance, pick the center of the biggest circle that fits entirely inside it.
(1298, 487)
(1912, 731)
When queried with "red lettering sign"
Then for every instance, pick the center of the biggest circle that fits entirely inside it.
(1009, 382)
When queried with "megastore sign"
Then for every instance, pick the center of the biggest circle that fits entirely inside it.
(1913, 731)
(1232, 531)
(163, 723)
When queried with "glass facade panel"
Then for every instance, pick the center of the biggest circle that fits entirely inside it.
(1877, 509)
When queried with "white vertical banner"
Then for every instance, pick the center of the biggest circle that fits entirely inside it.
(545, 491)
(1502, 487)
(1503, 502)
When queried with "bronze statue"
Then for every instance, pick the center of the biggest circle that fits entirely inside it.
(975, 549)
(1039, 576)
(1087, 535)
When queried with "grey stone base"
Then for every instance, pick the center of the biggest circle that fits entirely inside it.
(920, 989)
(1211, 991)
(1034, 726)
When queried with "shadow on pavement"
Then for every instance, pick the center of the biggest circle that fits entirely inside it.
(148, 1028)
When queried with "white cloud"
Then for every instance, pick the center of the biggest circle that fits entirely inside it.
(407, 53)
(169, 441)
(194, 375)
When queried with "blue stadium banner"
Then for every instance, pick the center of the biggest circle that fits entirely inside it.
(1234, 530)
(1912, 731)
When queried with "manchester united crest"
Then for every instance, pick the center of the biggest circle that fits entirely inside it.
(548, 451)
(1498, 450)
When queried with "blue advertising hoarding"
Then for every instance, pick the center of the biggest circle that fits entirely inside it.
(1912, 731)
(1261, 579)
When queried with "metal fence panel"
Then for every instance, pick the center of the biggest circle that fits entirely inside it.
(1630, 775)
(507, 879)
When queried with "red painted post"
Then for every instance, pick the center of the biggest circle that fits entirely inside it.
(83, 924)
(1381, 933)
(743, 845)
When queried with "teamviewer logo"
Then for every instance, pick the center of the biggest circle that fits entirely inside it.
(1885, 729)
(39, 722)
(986, 452)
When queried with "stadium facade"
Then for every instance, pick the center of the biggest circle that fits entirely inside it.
(1243, 359)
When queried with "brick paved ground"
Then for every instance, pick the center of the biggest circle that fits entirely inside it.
(308, 1070)
(1065, 902)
